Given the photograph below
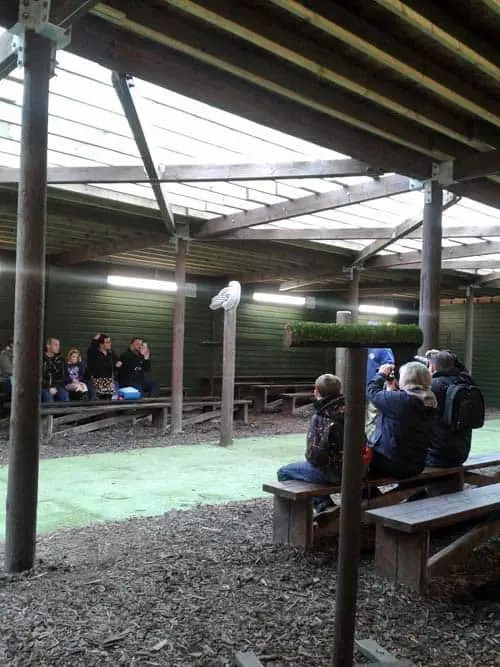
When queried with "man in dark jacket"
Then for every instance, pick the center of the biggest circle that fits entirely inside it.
(136, 362)
(328, 406)
(53, 373)
(404, 421)
(447, 449)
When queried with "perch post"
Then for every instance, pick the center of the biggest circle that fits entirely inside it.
(343, 317)
(356, 338)
(228, 299)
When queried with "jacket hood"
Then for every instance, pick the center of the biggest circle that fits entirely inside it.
(427, 397)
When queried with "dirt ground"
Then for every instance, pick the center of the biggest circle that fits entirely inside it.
(193, 587)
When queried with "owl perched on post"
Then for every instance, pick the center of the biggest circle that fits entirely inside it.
(228, 298)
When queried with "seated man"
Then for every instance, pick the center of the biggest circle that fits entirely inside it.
(404, 421)
(6, 368)
(135, 362)
(447, 448)
(323, 441)
(53, 373)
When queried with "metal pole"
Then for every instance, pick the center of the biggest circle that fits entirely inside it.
(469, 329)
(22, 485)
(228, 371)
(343, 317)
(178, 336)
(354, 294)
(350, 509)
(430, 272)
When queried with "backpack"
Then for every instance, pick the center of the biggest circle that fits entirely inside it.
(463, 406)
(328, 451)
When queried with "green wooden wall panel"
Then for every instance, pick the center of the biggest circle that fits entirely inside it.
(452, 328)
(486, 359)
(7, 283)
(74, 313)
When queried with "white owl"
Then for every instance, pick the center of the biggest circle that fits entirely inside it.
(228, 298)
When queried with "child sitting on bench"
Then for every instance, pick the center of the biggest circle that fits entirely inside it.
(324, 440)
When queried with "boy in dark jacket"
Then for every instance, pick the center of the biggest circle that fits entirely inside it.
(447, 449)
(328, 407)
(53, 373)
(136, 361)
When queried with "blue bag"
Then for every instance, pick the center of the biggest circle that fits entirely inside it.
(129, 393)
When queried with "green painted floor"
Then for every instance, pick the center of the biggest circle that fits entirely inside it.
(75, 491)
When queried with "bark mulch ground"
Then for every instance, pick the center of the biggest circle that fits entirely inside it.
(193, 587)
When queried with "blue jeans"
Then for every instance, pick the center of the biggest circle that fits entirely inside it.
(61, 395)
(306, 472)
(150, 387)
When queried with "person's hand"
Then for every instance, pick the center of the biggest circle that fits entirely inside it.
(145, 351)
(118, 364)
(52, 391)
(386, 369)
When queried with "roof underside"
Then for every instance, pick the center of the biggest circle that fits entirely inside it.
(399, 85)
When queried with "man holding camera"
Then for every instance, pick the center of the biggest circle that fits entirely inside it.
(136, 362)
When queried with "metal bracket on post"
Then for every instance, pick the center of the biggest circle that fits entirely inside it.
(443, 172)
(33, 15)
(181, 234)
(351, 269)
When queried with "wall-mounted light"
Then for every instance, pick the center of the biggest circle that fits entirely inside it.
(283, 299)
(378, 310)
(149, 284)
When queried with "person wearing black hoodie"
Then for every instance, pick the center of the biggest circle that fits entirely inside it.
(447, 448)
(136, 362)
(328, 407)
(102, 364)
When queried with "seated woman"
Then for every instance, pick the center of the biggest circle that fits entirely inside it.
(404, 421)
(102, 364)
(75, 372)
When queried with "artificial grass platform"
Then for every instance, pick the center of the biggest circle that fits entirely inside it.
(78, 490)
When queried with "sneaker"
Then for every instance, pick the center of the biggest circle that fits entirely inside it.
(323, 506)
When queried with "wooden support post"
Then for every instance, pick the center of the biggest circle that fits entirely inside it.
(350, 508)
(430, 272)
(178, 337)
(22, 486)
(354, 293)
(343, 317)
(228, 371)
(469, 329)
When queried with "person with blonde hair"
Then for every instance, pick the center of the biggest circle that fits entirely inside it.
(405, 420)
(75, 372)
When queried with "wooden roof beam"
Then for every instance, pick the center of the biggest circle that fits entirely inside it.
(455, 252)
(399, 232)
(128, 243)
(307, 54)
(200, 173)
(121, 84)
(351, 233)
(382, 187)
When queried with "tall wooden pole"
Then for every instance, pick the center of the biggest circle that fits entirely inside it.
(343, 317)
(354, 294)
(178, 336)
(430, 272)
(469, 329)
(228, 371)
(22, 485)
(350, 509)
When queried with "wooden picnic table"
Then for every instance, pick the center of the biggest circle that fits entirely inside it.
(263, 392)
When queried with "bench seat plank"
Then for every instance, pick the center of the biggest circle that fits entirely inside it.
(440, 511)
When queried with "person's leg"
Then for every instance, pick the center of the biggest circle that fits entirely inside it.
(151, 387)
(62, 394)
(306, 472)
(47, 396)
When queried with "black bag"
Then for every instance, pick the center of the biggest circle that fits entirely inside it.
(463, 406)
(327, 451)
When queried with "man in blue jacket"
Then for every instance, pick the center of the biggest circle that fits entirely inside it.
(404, 421)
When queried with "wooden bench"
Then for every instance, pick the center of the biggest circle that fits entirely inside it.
(263, 392)
(403, 533)
(85, 416)
(293, 500)
(290, 400)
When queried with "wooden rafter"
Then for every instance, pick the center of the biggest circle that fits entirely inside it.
(455, 252)
(382, 187)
